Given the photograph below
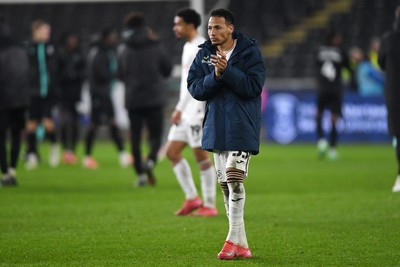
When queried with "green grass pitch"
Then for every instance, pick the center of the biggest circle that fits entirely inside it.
(300, 211)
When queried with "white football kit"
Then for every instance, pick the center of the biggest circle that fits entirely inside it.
(189, 130)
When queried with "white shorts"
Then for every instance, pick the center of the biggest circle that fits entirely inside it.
(189, 133)
(231, 159)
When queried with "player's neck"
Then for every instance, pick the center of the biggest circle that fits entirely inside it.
(192, 35)
(227, 46)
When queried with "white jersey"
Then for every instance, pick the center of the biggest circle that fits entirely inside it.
(191, 108)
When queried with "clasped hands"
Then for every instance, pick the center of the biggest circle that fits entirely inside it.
(220, 63)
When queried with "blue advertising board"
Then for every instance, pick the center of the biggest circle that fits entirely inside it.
(290, 117)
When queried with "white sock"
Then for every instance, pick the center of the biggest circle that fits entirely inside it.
(185, 179)
(237, 233)
(208, 180)
(242, 236)
(142, 177)
(225, 194)
(12, 172)
(54, 159)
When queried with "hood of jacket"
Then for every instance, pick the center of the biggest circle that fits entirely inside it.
(138, 37)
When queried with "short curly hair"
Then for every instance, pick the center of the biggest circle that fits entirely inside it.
(224, 13)
(189, 16)
(134, 20)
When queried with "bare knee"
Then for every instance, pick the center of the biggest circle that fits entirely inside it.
(173, 156)
(202, 158)
(174, 153)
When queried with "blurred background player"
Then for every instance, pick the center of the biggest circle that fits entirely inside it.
(71, 67)
(229, 74)
(14, 99)
(389, 60)
(187, 120)
(373, 52)
(102, 72)
(143, 67)
(330, 58)
(43, 85)
(370, 80)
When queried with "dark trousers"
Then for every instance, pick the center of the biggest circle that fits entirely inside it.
(14, 152)
(12, 121)
(102, 113)
(152, 118)
(114, 133)
(333, 137)
(69, 125)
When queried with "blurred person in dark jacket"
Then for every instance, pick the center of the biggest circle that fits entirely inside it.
(71, 67)
(14, 100)
(389, 61)
(102, 74)
(43, 85)
(143, 67)
(331, 58)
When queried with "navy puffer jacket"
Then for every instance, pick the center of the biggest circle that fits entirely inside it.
(233, 109)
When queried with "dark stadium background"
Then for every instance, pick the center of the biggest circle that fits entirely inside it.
(288, 31)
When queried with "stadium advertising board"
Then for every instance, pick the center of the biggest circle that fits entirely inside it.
(290, 117)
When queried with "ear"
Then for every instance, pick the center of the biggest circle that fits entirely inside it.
(231, 28)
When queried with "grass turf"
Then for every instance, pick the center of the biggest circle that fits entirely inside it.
(299, 211)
